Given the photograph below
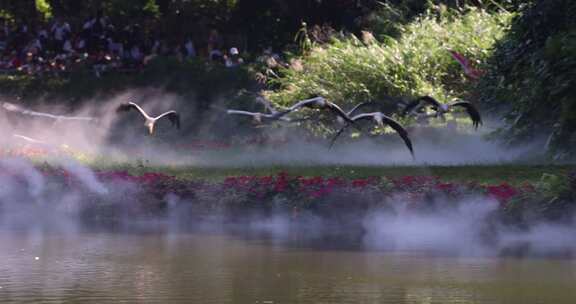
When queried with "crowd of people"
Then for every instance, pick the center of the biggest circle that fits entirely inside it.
(97, 43)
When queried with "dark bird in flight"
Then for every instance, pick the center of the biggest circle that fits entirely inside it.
(441, 109)
(354, 109)
(57, 118)
(381, 120)
(321, 103)
(150, 121)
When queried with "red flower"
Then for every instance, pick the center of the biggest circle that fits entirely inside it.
(335, 181)
(360, 183)
(446, 187)
(502, 192)
(319, 193)
(266, 180)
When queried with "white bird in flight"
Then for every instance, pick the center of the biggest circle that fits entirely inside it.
(149, 121)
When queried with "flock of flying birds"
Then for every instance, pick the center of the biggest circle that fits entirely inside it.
(149, 121)
(417, 107)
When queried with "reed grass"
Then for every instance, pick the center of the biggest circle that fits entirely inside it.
(351, 69)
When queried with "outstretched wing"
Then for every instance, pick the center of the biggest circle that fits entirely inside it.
(15, 108)
(354, 119)
(173, 116)
(306, 103)
(358, 106)
(125, 107)
(239, 112)
(400, 130)
(385, 120)
(334, 108)
(472, 112)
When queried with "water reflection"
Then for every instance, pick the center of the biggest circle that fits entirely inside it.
(223, 268)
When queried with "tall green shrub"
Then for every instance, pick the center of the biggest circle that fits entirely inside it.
(351, 69)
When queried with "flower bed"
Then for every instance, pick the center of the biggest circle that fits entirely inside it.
(110, 194)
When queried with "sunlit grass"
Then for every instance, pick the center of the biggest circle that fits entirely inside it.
(513, 173)
(349, 70)
(497, 173)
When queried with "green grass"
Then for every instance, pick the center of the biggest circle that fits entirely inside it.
(513, 174)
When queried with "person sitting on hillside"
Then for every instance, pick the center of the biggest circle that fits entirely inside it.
(115, 45)
(60, 30)
(216, 55)
(233, 59)
(189, 50)
(214, 42)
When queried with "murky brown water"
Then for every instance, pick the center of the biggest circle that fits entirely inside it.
(205, 268)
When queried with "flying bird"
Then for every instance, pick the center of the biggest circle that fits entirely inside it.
(150, 121)
(260, 99)
(354, 109)
(262, 118)
(441, 109)
(321, 103)
(381, 120)
(268, 106)
(57, 118)
(466, 65)
(28, 141)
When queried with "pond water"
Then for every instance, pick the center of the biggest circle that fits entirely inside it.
(192, 267)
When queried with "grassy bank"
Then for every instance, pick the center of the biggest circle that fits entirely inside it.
(513, 174)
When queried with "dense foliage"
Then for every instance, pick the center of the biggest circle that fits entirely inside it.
(533, 76)
(260, 22)
(350, 69)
